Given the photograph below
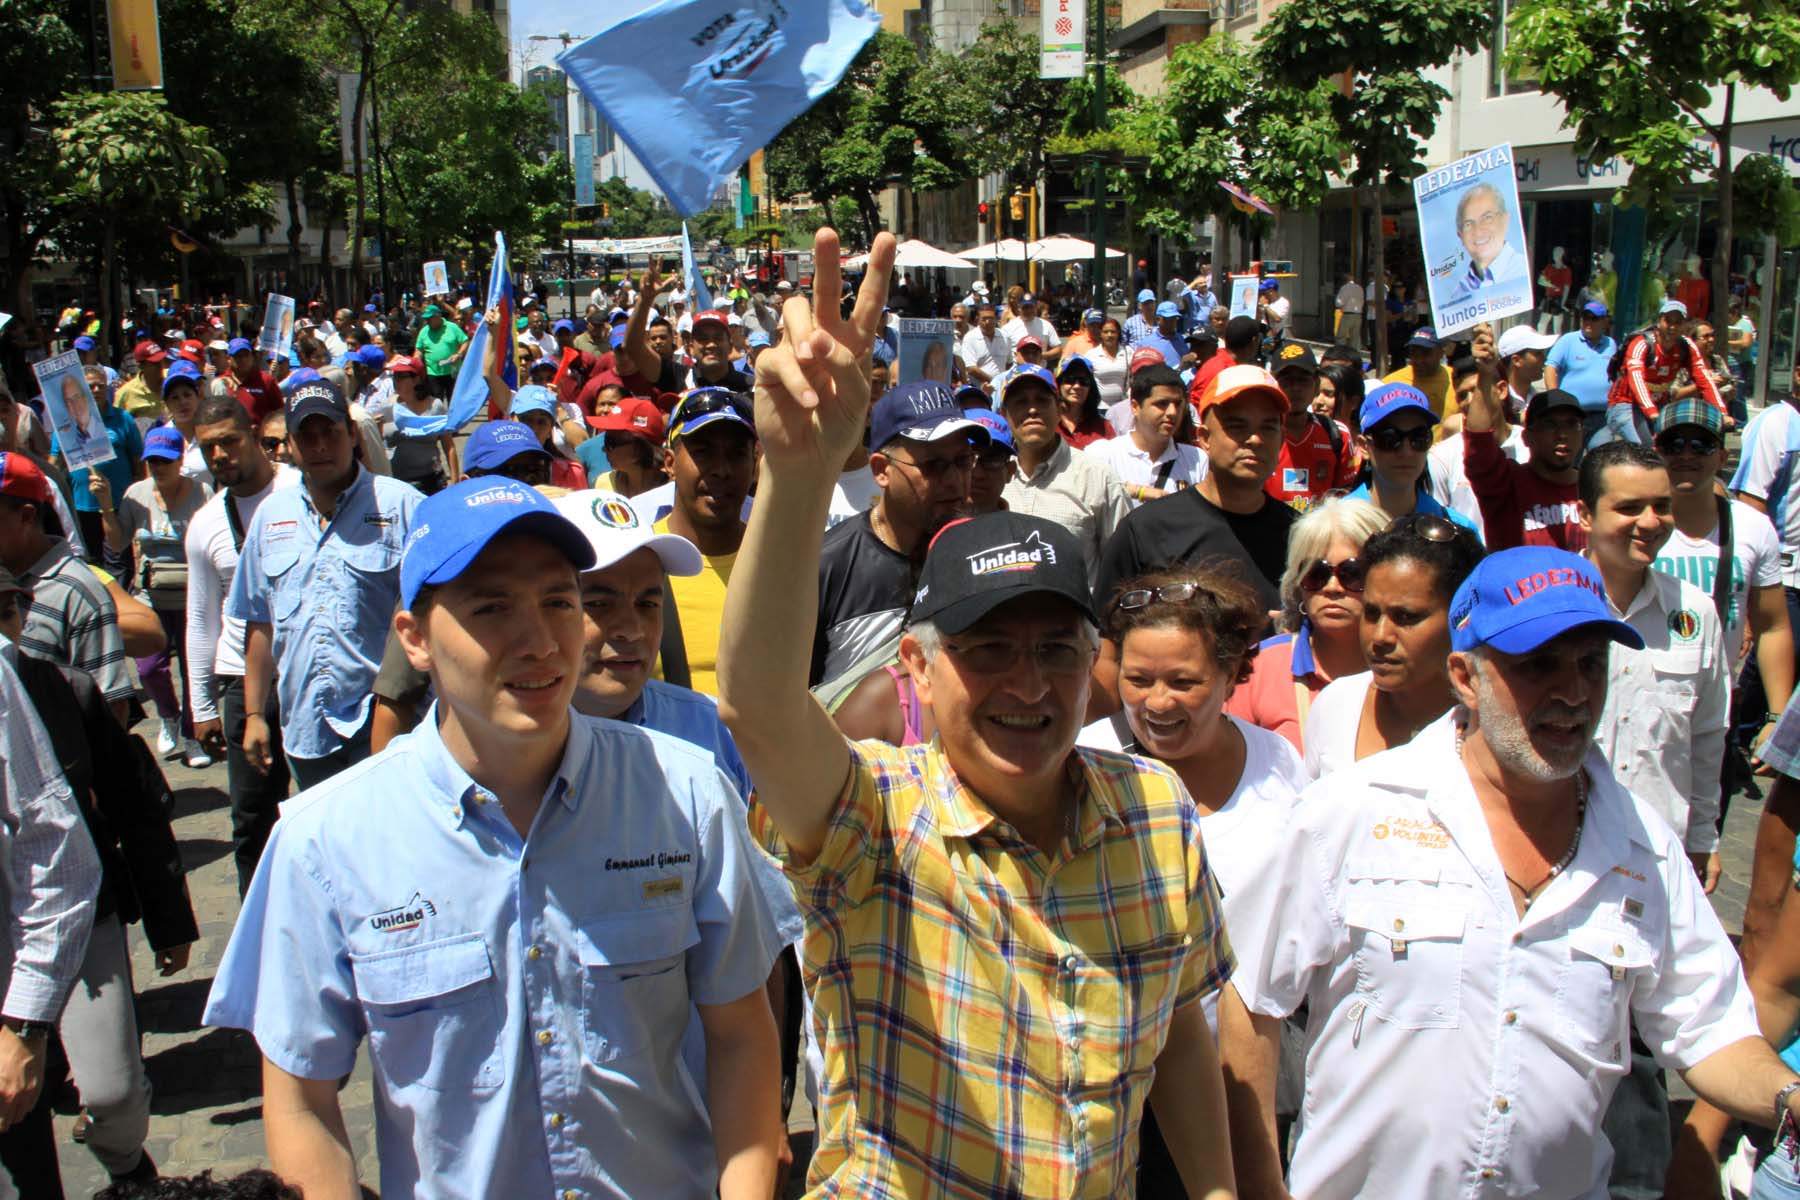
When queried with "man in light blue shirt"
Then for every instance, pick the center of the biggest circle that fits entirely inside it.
(1162, 338)
(1577, 364)
(1142, 323)
(316, 585)
(520, 907)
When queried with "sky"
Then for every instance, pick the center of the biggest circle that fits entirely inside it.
(551, 17)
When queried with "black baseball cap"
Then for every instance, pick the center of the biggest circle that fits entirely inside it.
(1293, 356)
(316, 395)
(978, 564)
(1551, 398)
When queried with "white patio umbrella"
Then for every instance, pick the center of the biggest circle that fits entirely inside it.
(916, 255)
(1063, 248)
(1010, 249)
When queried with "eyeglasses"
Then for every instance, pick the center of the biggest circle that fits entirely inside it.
(1429, 526)
(272, 444)
(1688, 443)
(999, 658)
(996, 458)
(1350, 575)
(935, 469)
(1389, 440)
(1138, 598)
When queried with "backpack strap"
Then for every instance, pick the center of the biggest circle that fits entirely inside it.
(1722, 577)
(674, 646)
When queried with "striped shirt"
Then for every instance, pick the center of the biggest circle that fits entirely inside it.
(73, 621)
(1077, 492)
(990, 1016)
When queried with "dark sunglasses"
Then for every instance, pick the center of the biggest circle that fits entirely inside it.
(1389, 440)
(703, 402)
(1350, 575)
(1688, 443)
(272, 444)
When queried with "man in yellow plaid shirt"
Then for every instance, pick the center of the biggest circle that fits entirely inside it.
(1007, 938)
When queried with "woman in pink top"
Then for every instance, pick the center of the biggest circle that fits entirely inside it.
(1321, 600)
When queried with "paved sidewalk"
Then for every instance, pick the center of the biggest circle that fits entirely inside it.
(207, 1108)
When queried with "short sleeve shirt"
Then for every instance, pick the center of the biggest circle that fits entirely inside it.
(73, 622)
(1312, 464)
(436, 348)
(1755, 563)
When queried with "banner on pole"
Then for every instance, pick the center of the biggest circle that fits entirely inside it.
(1062, 43)
(581, 151)
(136, 45)
(470, 392)
(1473, 238)
(74, 417)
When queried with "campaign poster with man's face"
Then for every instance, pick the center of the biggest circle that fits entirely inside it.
(1473, 238)
(925, 350)
(74, 414)
(277, 334)
(437, 278)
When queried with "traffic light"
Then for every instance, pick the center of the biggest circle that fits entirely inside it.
(982, 208)
(1018, 206)
(606, 211)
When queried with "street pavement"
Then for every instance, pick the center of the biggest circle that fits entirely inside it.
(207, 1111)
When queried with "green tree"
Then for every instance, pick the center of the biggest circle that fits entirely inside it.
(123, 157)
(1645, 79)
(1766, 201)
(1388, 107)
(41, 59)
(1009, 113)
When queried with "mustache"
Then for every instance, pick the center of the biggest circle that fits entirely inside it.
(1564, 713)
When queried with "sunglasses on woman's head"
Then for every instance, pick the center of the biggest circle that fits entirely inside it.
(1350, 575)
(1389, 440)
(1173, 593)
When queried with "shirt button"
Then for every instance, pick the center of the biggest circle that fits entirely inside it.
(1618, 950)
(1488, 1172)
(534, 953)
(1512, 1018)
(1069, 964)
(457, 813)
(543, 1037)
(1399, 924)
(571, 1194)
(556, 1120)
(1502, 1104)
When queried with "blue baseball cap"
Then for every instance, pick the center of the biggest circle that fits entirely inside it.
(1268, 285)
(702, 406)
(84, 343)
(1594, 308)
(925, 411)
(313, 396)
(1027, 298)
(533, 397)
(165, 441)
(238, 345)
(182, 371)
(999, 432)
(563, 326)
(1516, 600)
(544, 362)
(1424, 337)
(1075, 362)
(1167, 309)
(452, 528)
(369, 308)
(372, 357)
(759, 338)
(1027, 371)
(499, 442)
(1146, 296)
(1092, 316)
(1387, 399)
(1673, 306)
(618, 338)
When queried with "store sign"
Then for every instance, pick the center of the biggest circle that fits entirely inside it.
(1560, 169)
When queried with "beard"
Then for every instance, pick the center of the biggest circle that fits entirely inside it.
(1508, 735)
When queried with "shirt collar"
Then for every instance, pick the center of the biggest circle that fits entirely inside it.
(960, 813)
(1303, 651)
(48, 562)
(1059, 457)
(1649, 593)
(451, 789)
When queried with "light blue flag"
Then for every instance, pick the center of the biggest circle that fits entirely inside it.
(700, 299)
(471, 391)
(695, 87)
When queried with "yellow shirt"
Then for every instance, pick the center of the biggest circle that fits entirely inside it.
(136, 398)
(990, 1016)
(1436, 387)
(700, 600)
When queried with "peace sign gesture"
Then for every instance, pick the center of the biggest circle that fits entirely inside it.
(812, 392)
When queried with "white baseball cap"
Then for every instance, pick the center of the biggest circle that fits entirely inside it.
(615, 529)
(1523, 337)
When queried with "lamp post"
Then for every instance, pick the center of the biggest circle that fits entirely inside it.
(568, 39)
(1098, 25)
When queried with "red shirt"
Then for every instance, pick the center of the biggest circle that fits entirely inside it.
(1095, 429)
(1519, 507)
(1310, 465)
(258, 394)
(566, 474)
(1649, 371)
(1208, 371)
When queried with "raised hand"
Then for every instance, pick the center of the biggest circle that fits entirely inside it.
(655, 282)
(812, 394)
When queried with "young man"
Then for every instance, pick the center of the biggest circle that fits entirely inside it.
(441, 344)
(1476, 917)
(1521, 353)
(986, 352)
(215, 642)
(1653, 361)
(1165, 339)
(1029, 324)
(1530, 503)
(1241, 344)
(1148, 460)
(1424, 370)
(141, 395)
(647, 363)
(316, 585)
(1690, 436)
(1446, 479)
(525, 995)
(711, 459)
(1272, 308)
(1043, 1048)
(922, 462)
(1578, 363)
(1316, 454)
(1050, 479)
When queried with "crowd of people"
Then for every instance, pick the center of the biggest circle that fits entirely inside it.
(1165, 757)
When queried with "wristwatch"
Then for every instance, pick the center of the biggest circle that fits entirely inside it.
(26, 1030)
(1783, 1116)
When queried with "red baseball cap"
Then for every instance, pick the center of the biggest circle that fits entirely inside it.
(634, 415)
(23, 479)
(149, 352)
(712, 315)
(1029, 340)
(1145, 357)
(404, 364)
(194, 351)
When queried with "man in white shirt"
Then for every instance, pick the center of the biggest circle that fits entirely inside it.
(215, 642)
(1029, 324)
(1350, 313)
(1147, 459)
(1273, 308)
(986, 350)
(1476, 918)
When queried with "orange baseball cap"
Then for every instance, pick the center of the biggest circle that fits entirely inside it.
(1237, 382)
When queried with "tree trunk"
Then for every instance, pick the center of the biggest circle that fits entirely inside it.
(109, 288)
(1379, 269)
(367, 68)
(1358, 270)
(294, 226)
(1721, 263)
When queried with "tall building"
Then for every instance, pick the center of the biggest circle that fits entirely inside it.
(555, 86)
